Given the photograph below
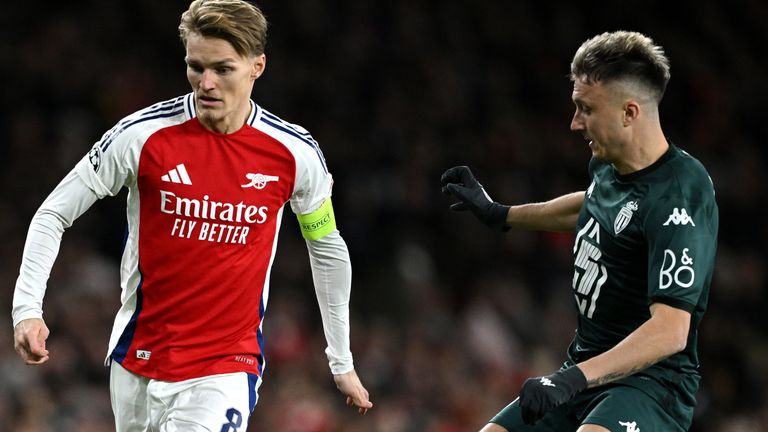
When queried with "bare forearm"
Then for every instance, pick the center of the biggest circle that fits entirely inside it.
(655, 340)
(559, 214)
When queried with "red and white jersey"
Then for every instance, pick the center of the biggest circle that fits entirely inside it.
(204, 211)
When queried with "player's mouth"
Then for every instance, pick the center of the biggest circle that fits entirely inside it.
(209, 102)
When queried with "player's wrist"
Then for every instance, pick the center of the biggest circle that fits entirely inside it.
(495, 215)
(573, 379)
(541, 394)
(339, 365)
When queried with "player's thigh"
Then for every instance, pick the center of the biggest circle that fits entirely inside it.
(627, 409)
(128, 393)
(510, 419)
(218, 403)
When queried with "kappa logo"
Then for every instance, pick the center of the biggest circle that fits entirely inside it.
(679, 217)
(177, 175)
(259, 180)
(547, 382)
(631, 426)
(624, 216)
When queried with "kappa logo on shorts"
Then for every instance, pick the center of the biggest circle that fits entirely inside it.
(259, 180)
(631, 426)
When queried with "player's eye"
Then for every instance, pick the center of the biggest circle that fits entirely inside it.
(223, 70)
(195, 68)
(583, 108)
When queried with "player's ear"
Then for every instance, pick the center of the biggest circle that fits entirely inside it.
(259, 63)
(631, 112)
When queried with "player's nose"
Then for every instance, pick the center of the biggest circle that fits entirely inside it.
(207, 80)
(577, 123)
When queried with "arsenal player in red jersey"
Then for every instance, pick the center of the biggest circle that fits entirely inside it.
(208, 176)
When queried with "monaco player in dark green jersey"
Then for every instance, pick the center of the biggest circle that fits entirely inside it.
(646, 235)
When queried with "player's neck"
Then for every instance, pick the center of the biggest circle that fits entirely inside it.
(643, 149)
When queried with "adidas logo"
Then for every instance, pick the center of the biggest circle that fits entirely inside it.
(177, 175)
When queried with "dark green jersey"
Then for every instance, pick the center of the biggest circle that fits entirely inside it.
(643, 238)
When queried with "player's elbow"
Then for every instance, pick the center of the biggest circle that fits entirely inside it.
(677, 339)
(678, 343)
(674, 324)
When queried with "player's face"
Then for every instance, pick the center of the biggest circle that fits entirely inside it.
(222, 81)
(599, 118)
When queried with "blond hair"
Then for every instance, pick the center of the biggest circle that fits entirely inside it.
(237, 21)
(623, 56)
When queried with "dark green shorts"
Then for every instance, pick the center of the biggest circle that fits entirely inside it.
(619, 408)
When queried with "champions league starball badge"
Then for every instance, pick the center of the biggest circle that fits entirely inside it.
(94, 156)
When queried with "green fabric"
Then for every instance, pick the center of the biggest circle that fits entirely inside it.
(646, 406)
(644, 238)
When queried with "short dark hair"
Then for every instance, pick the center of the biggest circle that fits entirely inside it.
(622, 55)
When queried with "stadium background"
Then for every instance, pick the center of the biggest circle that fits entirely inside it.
(448, 317)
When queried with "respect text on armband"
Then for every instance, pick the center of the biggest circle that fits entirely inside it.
(316, 225)
(210, 220)
(319, 223)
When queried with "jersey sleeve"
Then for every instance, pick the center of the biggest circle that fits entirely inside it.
(313, 181)
(107, 167)
(682, 238)
(68, 201)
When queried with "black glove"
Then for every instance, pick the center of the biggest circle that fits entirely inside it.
(460, 183)
(542, 394)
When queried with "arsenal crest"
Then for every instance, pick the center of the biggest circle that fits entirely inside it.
(624, 216)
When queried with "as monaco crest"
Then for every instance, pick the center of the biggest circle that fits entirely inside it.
(624, 216)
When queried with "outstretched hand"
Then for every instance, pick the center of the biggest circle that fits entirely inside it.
(29, 341)
(461, 184)
(350, 385)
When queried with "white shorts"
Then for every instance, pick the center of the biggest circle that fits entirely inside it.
(216, 403)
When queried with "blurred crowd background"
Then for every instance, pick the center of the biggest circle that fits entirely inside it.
(449, 318)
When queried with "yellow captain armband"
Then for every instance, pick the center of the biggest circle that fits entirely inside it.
(319, 223)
